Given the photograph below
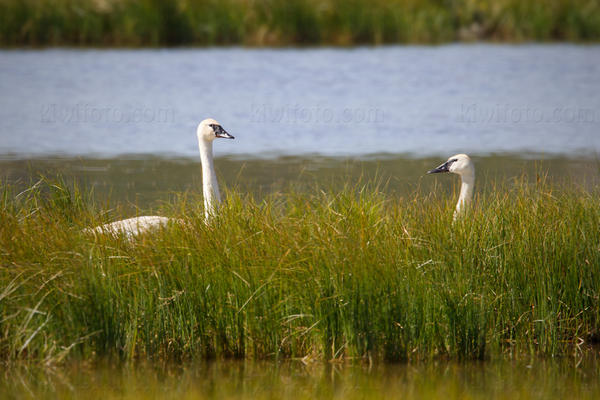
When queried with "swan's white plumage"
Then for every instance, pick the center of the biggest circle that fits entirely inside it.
(208, 130)
(461, 165)
(131, 226)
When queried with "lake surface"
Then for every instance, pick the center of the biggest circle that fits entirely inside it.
(420, 101)
(147, 181)
(533, 379)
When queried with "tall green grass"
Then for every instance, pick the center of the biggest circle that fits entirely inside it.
(285, 22)
(349, 274)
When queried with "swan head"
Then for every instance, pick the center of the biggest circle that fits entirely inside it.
(209, 130)
(459, 164)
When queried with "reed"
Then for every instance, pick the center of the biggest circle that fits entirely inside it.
(292, 22)
(324, 275)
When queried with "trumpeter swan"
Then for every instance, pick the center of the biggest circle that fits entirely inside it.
(461, 165)
(208, 130)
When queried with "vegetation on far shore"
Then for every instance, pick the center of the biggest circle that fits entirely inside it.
(292, 22)
(331, 276)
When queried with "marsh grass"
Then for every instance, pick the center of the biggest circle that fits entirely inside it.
(353, 273)
(285, 22)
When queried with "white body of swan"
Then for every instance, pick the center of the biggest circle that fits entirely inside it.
(461, 165)
(132, 226)
(208, 130)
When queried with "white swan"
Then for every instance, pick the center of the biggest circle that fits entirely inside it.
(208, 130)
(461, 165)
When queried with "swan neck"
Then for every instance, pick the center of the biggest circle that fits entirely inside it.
(466, 193)
(210, 187)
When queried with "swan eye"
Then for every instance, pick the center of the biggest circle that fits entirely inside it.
(450, 162)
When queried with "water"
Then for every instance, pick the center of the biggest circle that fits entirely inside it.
(420, 101)
(146, 182)
(534, 379)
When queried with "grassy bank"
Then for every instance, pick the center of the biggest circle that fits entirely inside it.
(285, 22)
(328, 275)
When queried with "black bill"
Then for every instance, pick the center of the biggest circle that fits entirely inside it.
(445, 167)
(220, 132)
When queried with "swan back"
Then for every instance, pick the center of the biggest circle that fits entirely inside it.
(131, 226)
